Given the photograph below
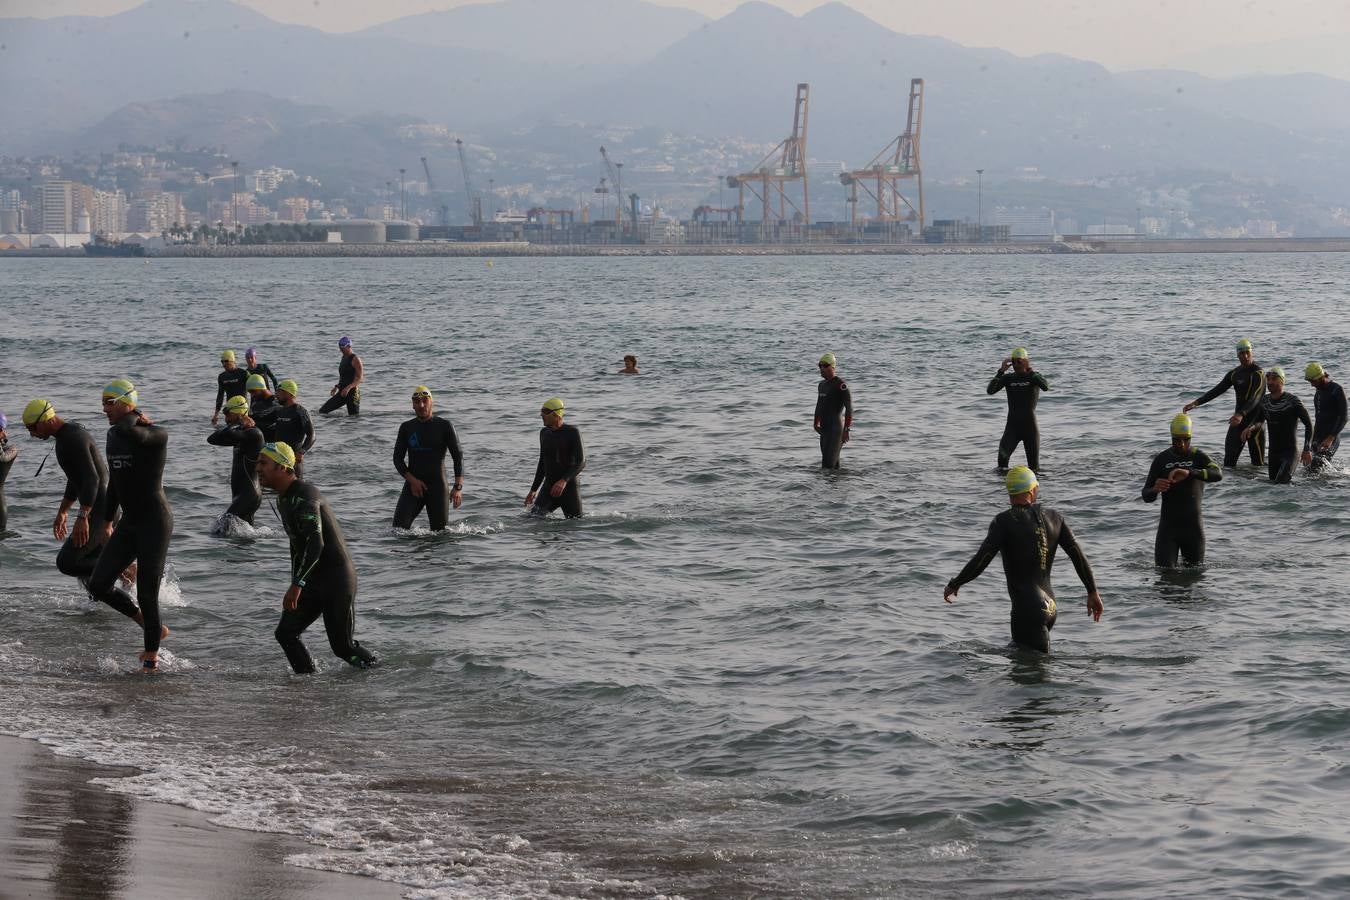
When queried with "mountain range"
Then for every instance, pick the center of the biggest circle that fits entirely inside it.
(492, 70)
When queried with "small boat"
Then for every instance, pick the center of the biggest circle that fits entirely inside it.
(102, 246)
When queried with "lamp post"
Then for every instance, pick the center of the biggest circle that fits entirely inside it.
(402, 197)
(979, 200)
(234, 193)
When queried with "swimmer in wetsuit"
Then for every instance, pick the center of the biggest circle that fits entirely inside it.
(1248, 385)
(290, 423)
(1024, 386)
(229, 383)
(136, 452)
(423, 441)
(323, 579)
(1279, 412)
(246, 438)
(1027, 535)
(259, 368)
(561, 460)
(1329, 403)
(1180, 475)
(7, 456)
(261, 404)
(834, 412)
(347, 391)
(86, 482)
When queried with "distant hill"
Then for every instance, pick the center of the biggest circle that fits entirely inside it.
(608, 32)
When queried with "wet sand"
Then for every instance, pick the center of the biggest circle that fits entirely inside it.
(62, 837)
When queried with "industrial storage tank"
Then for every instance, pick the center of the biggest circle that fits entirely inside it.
(400, 231)
(359, 231)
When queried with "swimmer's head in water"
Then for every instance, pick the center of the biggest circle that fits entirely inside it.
(1181, 426)
(1020, 353)
(120, 390)
(628, 356)
(255, 383)
(553, 405)
(38, 411)
(344, 342)
(1020, 480)
(1275, 373)
(288, 386)
(237, 405)
(1314, 371)
(280, 453)
(227, 356)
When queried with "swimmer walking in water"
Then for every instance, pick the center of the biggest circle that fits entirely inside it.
(561, 460)
(290, 423)
(423, 442)
(1279, 412)
(1329, 403)
(833, 419)
(247, 440)
(351, 372)
(323, 579)
(1179, 474)
(1027, 535)
(1248, 385)
(1024, 386)
(229, 383)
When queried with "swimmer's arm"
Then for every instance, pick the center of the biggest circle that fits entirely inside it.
(220, 393)
(1155, 472)
(358, 372)
(1224, 384)
(224, 437)
(539, 469)
(1080, 562)
(309, 538)
(1338, 415)
(401, 450)
(307, 426)
(995, 383)
(979, 562)
(110, 502)
(579, 460)
(1254, 396)
(1307, 425)
(1209, 470)
(142, 435)
(1040, 381)
(452, 447)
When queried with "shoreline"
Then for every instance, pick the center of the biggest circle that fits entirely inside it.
(63, 836)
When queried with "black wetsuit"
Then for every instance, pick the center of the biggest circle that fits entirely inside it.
(1281, 418)
(1329, 403)
(230, 383)
(425, 444)
(560, 456)
(1028, 537)
(833, 403)
(247, 443)
(7, 456)
(261, 409)
(87, 482)
(265, 371)
(1180, 526)
(1248, 384)
(136, 455)
(1024, 389)
(346, 375)
(323, 571)
(291, 425)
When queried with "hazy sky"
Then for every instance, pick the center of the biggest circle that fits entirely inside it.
(1117, 33)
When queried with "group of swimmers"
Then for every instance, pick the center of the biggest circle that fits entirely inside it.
(122, 529)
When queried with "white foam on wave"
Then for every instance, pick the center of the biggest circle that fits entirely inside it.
(458, 529)
(227, 525)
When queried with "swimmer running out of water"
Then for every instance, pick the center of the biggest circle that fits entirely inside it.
(247, 440)
(423, 442)
(1028, 535)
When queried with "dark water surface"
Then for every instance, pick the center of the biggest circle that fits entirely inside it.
(736, 676)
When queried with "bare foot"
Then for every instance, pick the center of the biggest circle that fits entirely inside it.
(149, 662)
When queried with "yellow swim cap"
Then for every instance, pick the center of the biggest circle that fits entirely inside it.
(280, 453)
(255, 383)
(1275, 372)
(421, 391)
(38, 411)
(290, 387)
(827, 360)
(227, 356)
(1020, 480)
(554, 404)
(1020, 353)
(1244, 346)
(121, 390)
(1181, 425)
(1314, 371)
(236, 404)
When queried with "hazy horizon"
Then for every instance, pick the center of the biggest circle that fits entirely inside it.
(1129, 34)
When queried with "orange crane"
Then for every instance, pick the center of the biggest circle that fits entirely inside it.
(898, 162)
(785, 163)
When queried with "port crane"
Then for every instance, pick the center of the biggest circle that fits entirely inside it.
(475, 200)
(898, 161)
(785, 163)
(431, 186)
(615, 177)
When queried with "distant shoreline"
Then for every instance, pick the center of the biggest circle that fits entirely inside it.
(422, 249)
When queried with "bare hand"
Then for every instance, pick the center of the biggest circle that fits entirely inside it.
(1247, 433)
(847, 434)
(1094, 606)
(142, 418)
(59, 527)
(1177, 475)
(529, 498)
(1162, 485)
(558, 487)
(1326, 442)
(417, 485)
(1235, 420)
(456, 498)
(1188, 407)
(333, 391)
(107, 530)
(292, 598)
(215, 419)
(1307, 457)
(816, 426)
(1003, 366)
(80, 537)
(949, 592)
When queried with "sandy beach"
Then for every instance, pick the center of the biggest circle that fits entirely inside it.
(63, 837)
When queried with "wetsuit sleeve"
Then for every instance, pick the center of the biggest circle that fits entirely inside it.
(1207, 469)
(142, 435)
(81, 474)
(220, 390)
(401, 450)
(1336, 414)
(578, 459)
(224, 437)
(306, 426)
(995, 383)
(1307, 423)
(308, 545)
(270, 377)
(847, 396)
(982, 558)
(1224, 384)
(110, 501)
(1069, 545)
(1258, 415)
(1040, 381)
(265, 416)
(1155, 472)
(539, 469)
(452, 447)
(820, 403)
